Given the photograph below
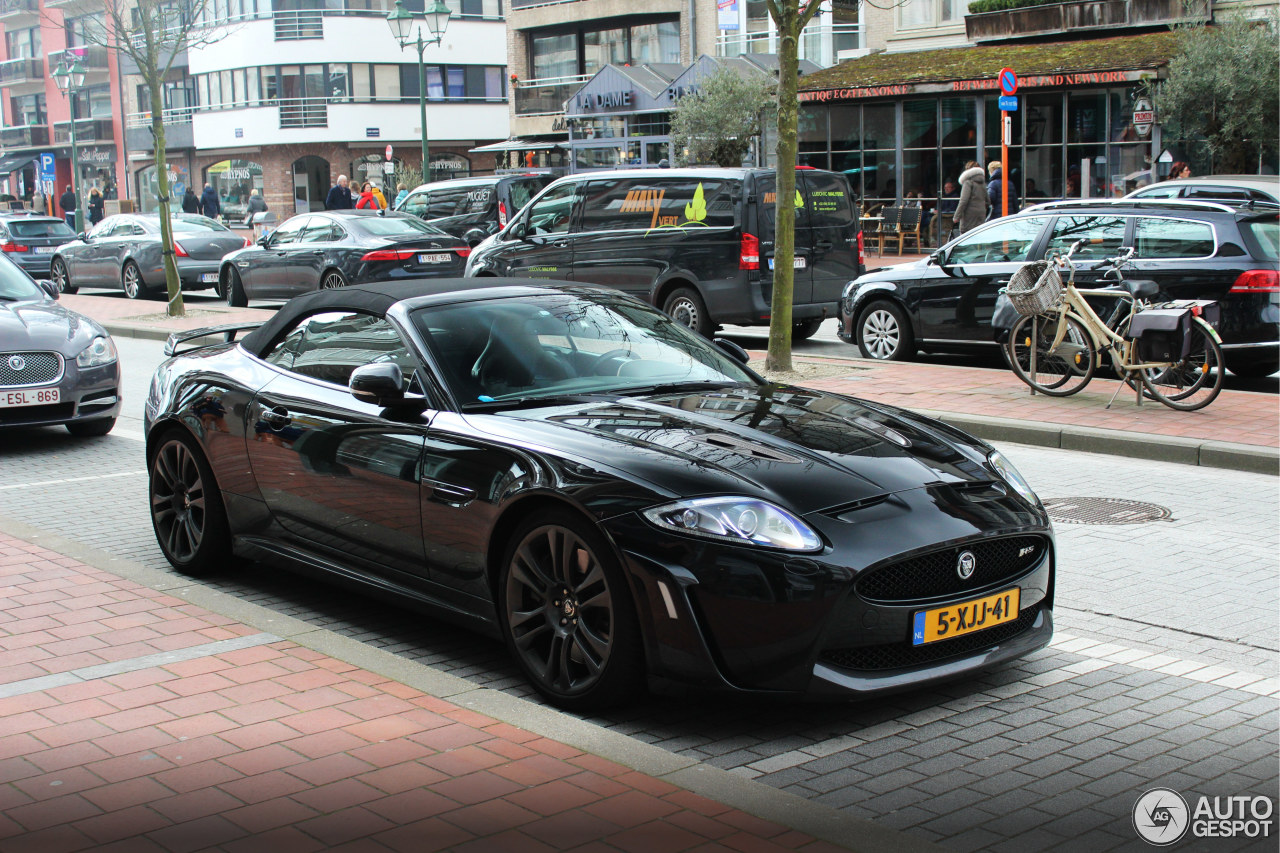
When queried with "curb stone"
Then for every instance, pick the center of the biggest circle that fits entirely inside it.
(755, 798)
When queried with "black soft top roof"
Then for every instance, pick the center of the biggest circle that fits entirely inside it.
(377, 299)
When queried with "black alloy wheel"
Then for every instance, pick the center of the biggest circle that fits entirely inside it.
(332, 280)
(567, 615)
(186, 507)
(58, 273)
(131, 281)
(233, 289)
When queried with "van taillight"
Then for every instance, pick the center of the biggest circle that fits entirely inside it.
(502, 213)
(749, 252)
(1257, 281)
(862, 251)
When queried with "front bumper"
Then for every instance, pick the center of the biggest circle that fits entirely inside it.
(88, 394)
(744, 619)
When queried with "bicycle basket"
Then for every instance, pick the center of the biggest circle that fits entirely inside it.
(1035, 288)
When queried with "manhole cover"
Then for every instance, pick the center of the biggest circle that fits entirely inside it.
(1104, 511)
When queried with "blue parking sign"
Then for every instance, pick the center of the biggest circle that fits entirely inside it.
(46, 166)
(1009, 103)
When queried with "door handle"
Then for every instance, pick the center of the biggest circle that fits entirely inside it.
(1003, 282)
(561, 244)
(277, 418)
(825, 244)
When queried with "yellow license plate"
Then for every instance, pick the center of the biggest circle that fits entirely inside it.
(954, 620)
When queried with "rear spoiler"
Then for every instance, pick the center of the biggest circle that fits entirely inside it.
(228, 333)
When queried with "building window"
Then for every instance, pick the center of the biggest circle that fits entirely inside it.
(586, 51)
(23, 44)
(925, 14)
(28, 110)
(554, 56)
(656, 43)
(234, 180)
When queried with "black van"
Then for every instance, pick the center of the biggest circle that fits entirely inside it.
(473, 208)
(697, 243)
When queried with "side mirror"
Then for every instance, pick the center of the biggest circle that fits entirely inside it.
(382, 384)
(732, 350)
(48, 287)
(263, 240)
(939, 258)
(82, 236)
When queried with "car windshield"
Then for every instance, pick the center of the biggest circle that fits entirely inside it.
(16, 284)
(25, 229)
(396, 226)
(195, 224)
(1266, 233)
(516, 350)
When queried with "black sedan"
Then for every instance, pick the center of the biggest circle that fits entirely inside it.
(323, 251)
(30, 241)
(56, 366)
(1192, 250)
(124, 252)
(569, 469)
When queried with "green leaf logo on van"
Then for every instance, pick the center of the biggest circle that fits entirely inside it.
(799, 200)
(696, 210)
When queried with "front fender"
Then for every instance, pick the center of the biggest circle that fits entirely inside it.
(856, 296)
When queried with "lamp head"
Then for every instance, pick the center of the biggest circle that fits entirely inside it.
(400, 20)
(437, 19)
(77, 74)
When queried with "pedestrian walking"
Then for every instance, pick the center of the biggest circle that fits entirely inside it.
(38, 202)
(971, 210)
(190, 201)
(67, 202)
(256, 204)
(210, 204)
(402, 192)
(994, 192)
(339, 197)
(371, 198)
(96, 206)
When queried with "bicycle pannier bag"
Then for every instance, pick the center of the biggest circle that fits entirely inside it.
(1163, 334)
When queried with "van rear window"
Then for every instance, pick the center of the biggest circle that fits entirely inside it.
(650, 205)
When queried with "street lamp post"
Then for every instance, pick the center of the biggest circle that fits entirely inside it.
(407, 29)
(69, 80)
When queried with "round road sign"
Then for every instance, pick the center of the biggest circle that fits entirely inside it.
(388, 152)
(1008, 81)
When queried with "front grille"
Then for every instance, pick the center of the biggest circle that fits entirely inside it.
(38, 414)
(904, 655)
(18, 369)
(933, 575)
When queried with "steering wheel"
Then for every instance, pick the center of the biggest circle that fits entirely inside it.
(603, 359)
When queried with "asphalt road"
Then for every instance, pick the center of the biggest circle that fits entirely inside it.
(1163, 672)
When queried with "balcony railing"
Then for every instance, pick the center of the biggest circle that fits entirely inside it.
(17, 71)
(528, 4)
(24, 136)
(1082, 16)
(820, 45)
(15, 11)
(92, 58)
(172, 116)
(546, 95)
(299, 25)
(304, 112)
(87, 130)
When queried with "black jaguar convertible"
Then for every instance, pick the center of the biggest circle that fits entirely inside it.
(618, 498)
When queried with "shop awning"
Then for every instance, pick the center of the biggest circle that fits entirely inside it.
(14, 162)
(516, 145)
(974, 69)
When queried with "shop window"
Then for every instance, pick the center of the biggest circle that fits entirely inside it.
(811, 128)
(1043, 117)
(920, 173)
(1042, 173)
(879, 130)
(992, 105)
(234, 181)
(846, 128)
(1086, 171)
(1129, 166)
(920, 124)
(447, 166)
(1086, 117)
(958, 126)
(880, 176)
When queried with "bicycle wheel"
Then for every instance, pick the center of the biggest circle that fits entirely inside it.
(1194, 382)
(1060, 372)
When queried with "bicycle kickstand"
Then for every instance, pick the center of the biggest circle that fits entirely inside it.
(1120, 386)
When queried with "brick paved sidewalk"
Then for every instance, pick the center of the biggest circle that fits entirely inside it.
(133, 721)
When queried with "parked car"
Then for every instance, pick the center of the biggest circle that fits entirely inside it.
(56, 366)
(323, 251)
(124, 251)
(567, 468)
(1229, 189)
(30, 240)
(473, 208)
(1192, 250)
(697, 243)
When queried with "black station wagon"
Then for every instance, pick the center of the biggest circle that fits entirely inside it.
(1193, 250)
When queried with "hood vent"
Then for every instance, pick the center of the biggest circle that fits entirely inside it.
(725, 441)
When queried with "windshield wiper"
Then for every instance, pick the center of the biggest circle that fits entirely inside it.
(676, 387)
(532, 401)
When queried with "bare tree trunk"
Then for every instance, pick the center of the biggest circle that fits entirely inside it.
(784, 238)
(173, 284)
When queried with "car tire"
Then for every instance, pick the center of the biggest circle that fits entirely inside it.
(61, 278)
(686, 307)
(91, 429)
(884, 333)
(332, 280)
(805, 329)
(233, 290)
(193, 533)
(131, 281)
(569, 623)
(1257, 370)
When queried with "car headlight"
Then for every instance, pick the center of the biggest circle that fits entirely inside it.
(100, 351)
(743, 521)
(1011, 476)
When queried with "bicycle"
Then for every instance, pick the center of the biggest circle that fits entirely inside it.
(1060, 340)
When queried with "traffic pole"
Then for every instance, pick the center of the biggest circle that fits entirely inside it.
(1004, 163)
